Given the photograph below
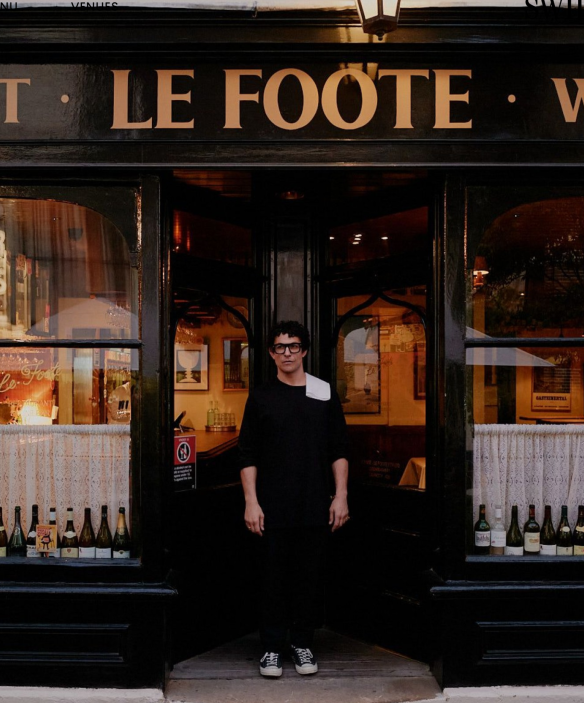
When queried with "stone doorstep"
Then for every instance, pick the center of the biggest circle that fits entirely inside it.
(306, 691)
(34, 694)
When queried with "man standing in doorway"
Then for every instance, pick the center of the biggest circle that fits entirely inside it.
(293, 449)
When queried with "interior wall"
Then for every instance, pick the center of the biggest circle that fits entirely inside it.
(196, 403)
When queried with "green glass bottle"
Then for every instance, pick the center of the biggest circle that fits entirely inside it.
(70, 541)
(514, 541)
(87, 538)
(547, 542)
(122, 544)
(578, 536)
(103, 542)
(531, 534)
(564, 546)
(482, 533)
(17, 544)
(3, 538)
(31, 550)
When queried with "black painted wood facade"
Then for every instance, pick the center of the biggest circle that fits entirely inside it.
(113, 626)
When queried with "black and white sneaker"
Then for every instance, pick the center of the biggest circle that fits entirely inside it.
(304, 660)
(270, 664)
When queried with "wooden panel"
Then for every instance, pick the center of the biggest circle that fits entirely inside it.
(502, 641)
(59, 643)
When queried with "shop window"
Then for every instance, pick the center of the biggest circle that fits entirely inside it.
(381, 381)
(211, 380)
(68, 363)
(525, 355)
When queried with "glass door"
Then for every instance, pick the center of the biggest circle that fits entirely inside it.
(378, 274)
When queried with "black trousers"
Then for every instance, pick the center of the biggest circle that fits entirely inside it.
(292, 578)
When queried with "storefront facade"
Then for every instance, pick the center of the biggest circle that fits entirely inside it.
(175, 180)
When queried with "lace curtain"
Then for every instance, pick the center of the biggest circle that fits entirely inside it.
(64, 466)
(523, 464)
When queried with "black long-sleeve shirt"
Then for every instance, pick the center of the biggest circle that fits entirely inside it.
(292, 440)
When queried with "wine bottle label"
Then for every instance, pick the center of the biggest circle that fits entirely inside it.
(121, 554)
(548, 549)
(32, 533)
(3, 551)
(514, 551)
(55, 554)
(483, 539)
(72, 552)
(578, 528)
(2, 528)
(87, 552)
(31, 551)
(565, 528)
(579, 550)
(498, 538)
(69, 534)
(564, 551)
(531, 542)
(103, 553)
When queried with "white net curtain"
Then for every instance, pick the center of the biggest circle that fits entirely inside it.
(65, 466)
(523, 464)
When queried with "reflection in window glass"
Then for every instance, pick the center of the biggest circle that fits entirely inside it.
(381, 381)
(65, 431)
(64, 273)
(527, 274)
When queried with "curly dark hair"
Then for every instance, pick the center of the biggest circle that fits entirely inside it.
(292, 329)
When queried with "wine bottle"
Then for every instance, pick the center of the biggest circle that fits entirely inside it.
(547, 542)
(31, 550)
(531, 533)
(514, 542)
(3, 538)
(17, 544)
(498, 534)
(564, 546)
(579, 533)
(69, 541)
(121, 543)
(53, 521)
(87, 538)
(482, 533)
(103, 542)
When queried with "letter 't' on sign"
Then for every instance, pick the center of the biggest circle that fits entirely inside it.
(12, 97)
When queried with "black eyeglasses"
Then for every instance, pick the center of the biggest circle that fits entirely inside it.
(293, 348)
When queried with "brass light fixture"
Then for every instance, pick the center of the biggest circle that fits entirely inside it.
(378, 16)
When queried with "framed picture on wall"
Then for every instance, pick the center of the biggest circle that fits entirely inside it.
(420, 371)
(235, 364)
(191, 367)
(551, 387)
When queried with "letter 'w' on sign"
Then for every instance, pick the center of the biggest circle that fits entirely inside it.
(570, 110)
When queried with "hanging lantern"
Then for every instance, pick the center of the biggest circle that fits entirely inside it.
(378, 16)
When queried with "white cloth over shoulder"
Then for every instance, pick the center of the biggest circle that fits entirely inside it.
(317, 389)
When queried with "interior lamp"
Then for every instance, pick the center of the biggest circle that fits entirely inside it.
(378, 16)
(479, 272)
